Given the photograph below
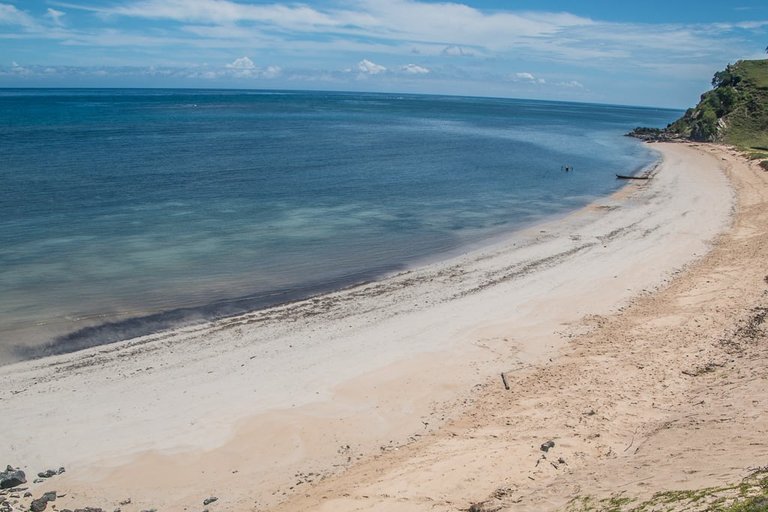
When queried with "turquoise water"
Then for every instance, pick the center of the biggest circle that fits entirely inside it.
(127, 211)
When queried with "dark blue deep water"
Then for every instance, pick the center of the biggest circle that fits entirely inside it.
(123, 211)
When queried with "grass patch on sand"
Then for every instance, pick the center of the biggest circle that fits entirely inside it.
(749, 495)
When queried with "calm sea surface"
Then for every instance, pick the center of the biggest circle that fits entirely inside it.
(127, 211)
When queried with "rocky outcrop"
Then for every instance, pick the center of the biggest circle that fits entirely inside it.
(41, 503)
(655, 135)
(12, 477)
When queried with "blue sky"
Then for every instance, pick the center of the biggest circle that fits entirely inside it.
(659, 53)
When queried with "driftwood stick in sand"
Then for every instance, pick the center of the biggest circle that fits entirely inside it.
(632, 441)
(504, 375)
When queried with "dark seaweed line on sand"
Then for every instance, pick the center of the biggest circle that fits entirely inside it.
(130, 328)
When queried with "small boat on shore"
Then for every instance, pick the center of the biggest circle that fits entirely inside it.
(625, 177)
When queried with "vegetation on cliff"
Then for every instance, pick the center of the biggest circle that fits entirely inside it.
(734, 111)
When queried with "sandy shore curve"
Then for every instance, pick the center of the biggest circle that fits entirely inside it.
(349, 401)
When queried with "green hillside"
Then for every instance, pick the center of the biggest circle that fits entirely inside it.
(735, 111)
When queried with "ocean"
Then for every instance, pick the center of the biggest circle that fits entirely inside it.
(123, 212)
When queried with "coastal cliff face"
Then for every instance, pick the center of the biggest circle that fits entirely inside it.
(734, 112)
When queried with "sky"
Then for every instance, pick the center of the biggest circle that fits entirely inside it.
(650, 52)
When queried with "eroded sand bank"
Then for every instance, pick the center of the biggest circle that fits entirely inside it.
(364, 383)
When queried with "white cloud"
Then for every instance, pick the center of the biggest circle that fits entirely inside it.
(18, 70)
(394, 20)
(457, 51)
(272, 72)
(10, 15)
(244, 67)
(55, 15)
(370, 68)
(203, 72)
(415, 69)
(242, 63)
(745, 25)
(528, 77)
(311, 39)
(454, 29)
(228, 11)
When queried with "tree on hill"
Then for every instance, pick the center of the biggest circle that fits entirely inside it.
(725, 77)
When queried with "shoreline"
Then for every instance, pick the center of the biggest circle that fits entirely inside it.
(427, 335)
(659, 405)
(167, 321)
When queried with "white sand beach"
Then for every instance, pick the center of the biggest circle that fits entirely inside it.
(387, 396)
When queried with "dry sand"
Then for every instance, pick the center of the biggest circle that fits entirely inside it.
(387, 397)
